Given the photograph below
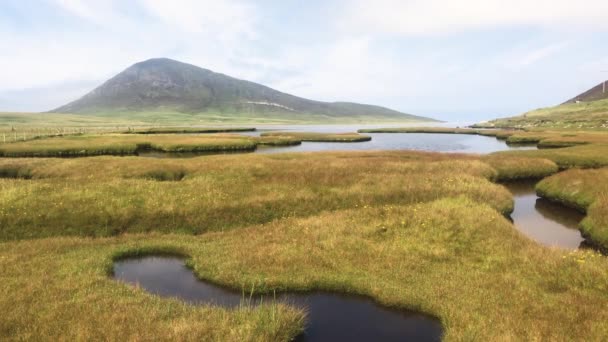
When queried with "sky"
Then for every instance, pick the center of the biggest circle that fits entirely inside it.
(465, 60)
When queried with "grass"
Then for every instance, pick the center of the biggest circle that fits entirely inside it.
(585, 190)
(144, 119)
(454, 258)
(584, 115)
(320, 137)
(415, 230)
(105, 196)
(583, 156)
(190, 130)
(120, 144)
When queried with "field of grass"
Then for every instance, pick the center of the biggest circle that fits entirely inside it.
(416, 230)
(190, 130)
(122, 120)
(584, 115)
(587, 191)
(320, 137)
(122, 144)
(105, 196)
(453, 258)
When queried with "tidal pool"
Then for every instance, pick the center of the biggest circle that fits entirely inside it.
(330, 316)
(548, 223)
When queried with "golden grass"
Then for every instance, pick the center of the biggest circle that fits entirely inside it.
(454, 258)
(121, 144)
(104, 196)
(320, 137)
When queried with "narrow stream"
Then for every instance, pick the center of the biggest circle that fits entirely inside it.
(548, 223)
(330, 316)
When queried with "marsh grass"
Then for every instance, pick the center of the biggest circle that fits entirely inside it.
(121, 144)
(104, 196)
(190, 130)
(320, 137)
(453, 258)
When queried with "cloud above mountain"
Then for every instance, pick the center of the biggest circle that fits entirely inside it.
(440, 58)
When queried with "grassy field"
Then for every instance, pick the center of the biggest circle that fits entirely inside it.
(125, 119)
(125, 144)
(416, 230)
(105, 196)
(320, 137)
(584, 115)
(454, 258)
(190, 130)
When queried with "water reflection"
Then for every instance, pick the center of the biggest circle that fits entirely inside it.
(331, 317)
(548, 223)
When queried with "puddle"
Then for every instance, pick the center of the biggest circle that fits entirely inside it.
(331, 316)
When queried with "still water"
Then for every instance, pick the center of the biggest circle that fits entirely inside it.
(548, 223)
(449, 143)
(330, 316)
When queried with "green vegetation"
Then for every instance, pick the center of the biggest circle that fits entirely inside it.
(105, 196)
(120, 144)
(320, 137)
(191, 130)
(453, 258)
(415, 230)
(584, 156)
(583, 115)
(585, 190)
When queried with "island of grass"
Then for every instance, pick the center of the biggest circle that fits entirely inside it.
(190, 130)
(120, 144)
(412, 230)
(320, 137)
(439, 130)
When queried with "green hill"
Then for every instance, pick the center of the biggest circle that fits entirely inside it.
(159, 89)
(587, 110)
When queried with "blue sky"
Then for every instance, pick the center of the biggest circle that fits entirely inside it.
(461, 60)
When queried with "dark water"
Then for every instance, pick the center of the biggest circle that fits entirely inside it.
(331, 317)
(548, 223)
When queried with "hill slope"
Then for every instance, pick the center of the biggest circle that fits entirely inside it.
(167, 86)
(599, 92)
(587, 110)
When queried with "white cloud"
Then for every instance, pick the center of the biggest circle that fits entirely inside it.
(541, 53)
(422, 17)
(226, 20)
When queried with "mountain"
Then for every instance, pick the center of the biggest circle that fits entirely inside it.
(165, 85)
(587, 110)
(599, 92)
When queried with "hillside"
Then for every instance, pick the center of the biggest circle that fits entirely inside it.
(587, 110)
(599, 92)
(162, 87)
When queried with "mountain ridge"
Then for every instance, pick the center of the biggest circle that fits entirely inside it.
(162, 84)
